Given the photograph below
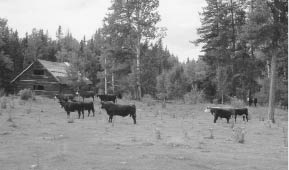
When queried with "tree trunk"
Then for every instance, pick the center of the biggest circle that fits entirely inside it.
(268, 68)
(272, 87)
(138, 82)
(105, 76)
(112, 82)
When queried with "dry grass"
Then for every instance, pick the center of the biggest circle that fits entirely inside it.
(155, 142)
(239, 134)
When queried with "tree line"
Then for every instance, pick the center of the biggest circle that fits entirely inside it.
(244, 44)
(246, 48)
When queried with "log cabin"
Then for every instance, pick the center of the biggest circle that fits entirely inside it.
(45, 78)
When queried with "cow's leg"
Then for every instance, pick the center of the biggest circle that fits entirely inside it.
(215, 118)
(134, 119)
(110, 118)
(78, 114)
(247, 117)
(228, 119)
(235, 118)
(68, 115)
(88, 112)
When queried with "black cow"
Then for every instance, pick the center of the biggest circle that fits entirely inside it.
(120, 110)
(88, 106)
(72, 107)
(220, 112)
(242, 112)
(107, 97)
(86, 94)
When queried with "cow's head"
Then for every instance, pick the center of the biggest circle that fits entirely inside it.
(208, 109)
(102, 105)
(62, 102)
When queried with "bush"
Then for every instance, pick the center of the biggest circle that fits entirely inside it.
(4, 102)
(148, 100)
(2, 92)
(26, 94)
(127, 96)
(237, 102)
(215, 101)
(194, 96)
(239, 134)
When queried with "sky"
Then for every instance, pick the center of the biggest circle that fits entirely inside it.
(84, 17)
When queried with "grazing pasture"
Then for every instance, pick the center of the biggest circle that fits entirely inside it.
(37, 135)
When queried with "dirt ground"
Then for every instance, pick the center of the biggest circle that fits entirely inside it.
(37, 135)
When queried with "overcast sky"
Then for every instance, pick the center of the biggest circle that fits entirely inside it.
(83, 17)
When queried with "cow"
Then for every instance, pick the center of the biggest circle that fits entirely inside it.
(120, 110)
(86, 94)
(72, 107)
(242, 112)
(89, 107)
(220, 112)
(107, 97)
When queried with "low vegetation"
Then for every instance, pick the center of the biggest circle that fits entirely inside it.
(175, 140)
(26, 94)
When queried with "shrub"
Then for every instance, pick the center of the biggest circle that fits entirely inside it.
(285, 132)
(2, 92)
(194, 96)
(239, 134)
(4, 102)
(148, 100)
(127, 96)
(26, 94)
(211, 133)
(215, 101)
(237, 102)
(158, 134)
(71, 120)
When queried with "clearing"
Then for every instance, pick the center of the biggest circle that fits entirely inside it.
(37, 135)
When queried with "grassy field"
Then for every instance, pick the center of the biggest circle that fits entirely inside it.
(37, 135)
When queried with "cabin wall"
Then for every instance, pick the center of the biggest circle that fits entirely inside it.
(43, 84)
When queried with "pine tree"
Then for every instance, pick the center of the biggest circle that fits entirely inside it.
(134, 21)
(267, 28)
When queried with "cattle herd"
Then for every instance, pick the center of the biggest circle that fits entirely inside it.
(227, 113)
(108, 103)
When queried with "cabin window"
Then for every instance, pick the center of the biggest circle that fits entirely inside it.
(38, 72)
(38, 87)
